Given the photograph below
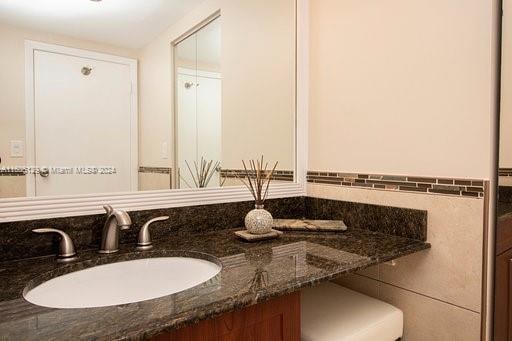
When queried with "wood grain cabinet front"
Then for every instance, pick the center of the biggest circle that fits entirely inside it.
(274, 320)
(503, 297)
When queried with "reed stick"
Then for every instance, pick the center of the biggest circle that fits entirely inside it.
(257, 178)
(201, 173)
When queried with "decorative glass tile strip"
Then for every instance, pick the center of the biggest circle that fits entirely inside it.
(505, 172)
(11, 172)
(279, 175)
(459, 187)
(156, 170)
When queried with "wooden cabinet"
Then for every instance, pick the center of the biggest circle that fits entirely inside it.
(275, 320)
(503, 297)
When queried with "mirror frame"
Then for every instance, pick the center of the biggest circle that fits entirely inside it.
(28, 208)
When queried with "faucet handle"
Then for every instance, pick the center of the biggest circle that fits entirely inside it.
(66, 247)
(108, 209)
(144, 242)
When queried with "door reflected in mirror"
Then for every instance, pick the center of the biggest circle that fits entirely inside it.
(124, 96)
(198, 107)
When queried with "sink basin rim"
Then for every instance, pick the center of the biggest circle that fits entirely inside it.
(211, 265)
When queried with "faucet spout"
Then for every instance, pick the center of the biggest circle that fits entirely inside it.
(123, 220)
(116, 220)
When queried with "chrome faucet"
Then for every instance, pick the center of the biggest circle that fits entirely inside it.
(67, 251)
(116, 220)
(144, 241)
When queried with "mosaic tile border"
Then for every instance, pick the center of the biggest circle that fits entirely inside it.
(445, 186)
(11, 172)
(155, 170)
(505, 172)
(279, 175)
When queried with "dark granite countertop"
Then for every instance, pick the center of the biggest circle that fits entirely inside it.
(296, 260)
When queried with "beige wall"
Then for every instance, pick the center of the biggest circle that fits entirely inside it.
(405, 87)
(155, 119)
(12, 186)
(258, 76)
(506, 88)
(258, 71)
(404, 83)
(154, 181)
(505, 181)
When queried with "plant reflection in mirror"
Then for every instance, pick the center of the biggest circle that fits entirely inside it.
(257, 179)
(202, 173)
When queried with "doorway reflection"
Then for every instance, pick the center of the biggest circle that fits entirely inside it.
(198, 112)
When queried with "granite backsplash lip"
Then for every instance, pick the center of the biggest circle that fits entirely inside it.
(295, 260)
(17, 241)
(399, 221)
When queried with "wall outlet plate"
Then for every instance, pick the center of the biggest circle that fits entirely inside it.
(16, 148)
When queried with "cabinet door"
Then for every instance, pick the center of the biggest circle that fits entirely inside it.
(276, 320)
(503, 297)
(509, 299)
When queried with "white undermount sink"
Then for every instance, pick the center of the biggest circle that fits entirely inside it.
(123, 282)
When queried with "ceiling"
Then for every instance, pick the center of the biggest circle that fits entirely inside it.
(126, 23)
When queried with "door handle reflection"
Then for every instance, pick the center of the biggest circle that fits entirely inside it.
(44, 172)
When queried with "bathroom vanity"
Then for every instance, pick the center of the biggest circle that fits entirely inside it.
(256, 291)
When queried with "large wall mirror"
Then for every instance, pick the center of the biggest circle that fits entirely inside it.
(116, 96)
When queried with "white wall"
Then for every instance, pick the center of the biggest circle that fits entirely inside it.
(401, 87)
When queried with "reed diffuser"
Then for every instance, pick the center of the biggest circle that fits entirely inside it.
(202, 173)
(257, 178)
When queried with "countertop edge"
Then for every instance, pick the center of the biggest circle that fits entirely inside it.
(264, 295)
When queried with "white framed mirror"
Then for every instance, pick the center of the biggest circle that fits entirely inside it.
(122, 102)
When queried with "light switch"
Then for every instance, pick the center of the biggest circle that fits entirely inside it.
(165, 150)
(16, 148)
